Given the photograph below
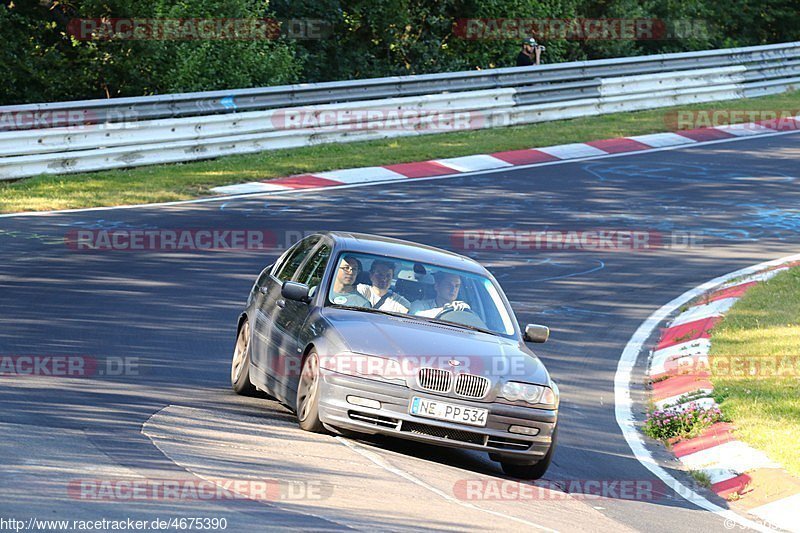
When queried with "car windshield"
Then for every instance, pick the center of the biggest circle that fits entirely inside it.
(424, 291)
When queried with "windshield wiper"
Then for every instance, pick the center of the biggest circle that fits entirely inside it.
(456, 324)
(368, 310)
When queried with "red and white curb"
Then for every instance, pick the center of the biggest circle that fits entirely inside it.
(679, 370)
(729, 285)
(509, 159)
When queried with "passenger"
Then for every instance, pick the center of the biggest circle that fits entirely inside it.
(447, 286)
(344, 290)
(380, 294)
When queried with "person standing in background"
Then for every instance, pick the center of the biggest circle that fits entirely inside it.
(531, 53)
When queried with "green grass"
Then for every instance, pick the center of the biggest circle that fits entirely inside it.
(760, 391)
(191, 180)
(703, 479)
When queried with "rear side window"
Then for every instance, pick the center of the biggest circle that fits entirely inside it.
(295, 258)
(313, 270)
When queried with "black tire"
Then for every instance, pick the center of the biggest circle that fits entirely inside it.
(240, 364)
(308, 395)
(532, 471)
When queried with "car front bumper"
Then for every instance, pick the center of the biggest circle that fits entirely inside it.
(393, 418)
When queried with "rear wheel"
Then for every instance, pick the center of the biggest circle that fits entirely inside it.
(531, 471)
(240, 365)
(308, 395)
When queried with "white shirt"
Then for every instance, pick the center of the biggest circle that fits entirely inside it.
(394, 302)
(429, 308)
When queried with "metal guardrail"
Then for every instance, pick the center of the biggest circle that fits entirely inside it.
(125, 132)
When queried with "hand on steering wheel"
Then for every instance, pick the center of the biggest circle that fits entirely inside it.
(454, 306)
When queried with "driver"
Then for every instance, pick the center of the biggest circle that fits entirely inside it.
(344, 290)
(447, 286)
(379, 293)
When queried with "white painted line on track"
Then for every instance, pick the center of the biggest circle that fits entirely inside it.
(694, 349)
(732, 455)
(623, 402)
(572, 151)
(360, 175)
(706, 402)
(685, 364)
(781, 513)
(699, 312)
(758, 277)
(718, 475)
(663, 140)
(375, 458)
(250, 187)
(294, 509)
(471, 163)
(405, 179)
(744, 130)
(673, 399)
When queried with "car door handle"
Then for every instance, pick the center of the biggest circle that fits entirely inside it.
(263, 290)
(281, 303)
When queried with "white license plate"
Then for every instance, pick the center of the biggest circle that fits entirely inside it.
(448, 411)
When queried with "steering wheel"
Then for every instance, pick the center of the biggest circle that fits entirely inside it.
(466, 317)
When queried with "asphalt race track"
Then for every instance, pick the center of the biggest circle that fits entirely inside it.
(172, 415)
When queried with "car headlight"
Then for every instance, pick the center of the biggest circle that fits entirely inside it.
(533, 394)
(550, 396)
(515, 391)
(369, 366)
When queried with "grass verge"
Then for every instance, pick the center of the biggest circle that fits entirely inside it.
(755, 363)
(161, 183)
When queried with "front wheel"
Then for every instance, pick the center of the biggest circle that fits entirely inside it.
(308, 395)
(534, 471)
(240, 365)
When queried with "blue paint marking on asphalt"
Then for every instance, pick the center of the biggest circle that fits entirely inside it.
(103, 224)
(601, 266)
(248, 211)
(567, 310)
(666, 172)
(756, 221)
(41, 237)
(770, 217)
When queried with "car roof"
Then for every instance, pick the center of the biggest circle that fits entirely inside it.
(411, 251)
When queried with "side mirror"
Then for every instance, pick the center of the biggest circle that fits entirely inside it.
(536, 333)
(291, 290)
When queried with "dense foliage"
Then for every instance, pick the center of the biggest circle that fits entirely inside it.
(42, 61)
